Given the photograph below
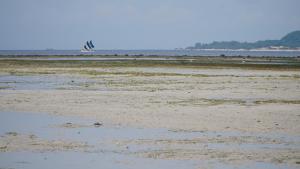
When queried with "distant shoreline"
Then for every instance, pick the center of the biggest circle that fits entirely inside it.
(291, 41)
(255, 50)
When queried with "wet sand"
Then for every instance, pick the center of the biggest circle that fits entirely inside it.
(208, 113)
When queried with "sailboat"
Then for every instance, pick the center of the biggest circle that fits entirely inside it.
(88, 47)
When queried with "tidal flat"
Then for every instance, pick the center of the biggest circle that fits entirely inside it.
(149, 112)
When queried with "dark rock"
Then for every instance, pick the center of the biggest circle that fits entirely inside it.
(97, 124)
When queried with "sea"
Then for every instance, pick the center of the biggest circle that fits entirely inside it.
(242, 53)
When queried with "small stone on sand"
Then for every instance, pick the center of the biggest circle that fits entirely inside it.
(97, 124)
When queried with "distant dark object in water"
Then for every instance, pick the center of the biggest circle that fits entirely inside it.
(222, 55)
(97, 124)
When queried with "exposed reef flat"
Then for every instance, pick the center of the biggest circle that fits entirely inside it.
(184, 112)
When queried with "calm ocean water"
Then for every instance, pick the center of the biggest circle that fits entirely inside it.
(154, 52)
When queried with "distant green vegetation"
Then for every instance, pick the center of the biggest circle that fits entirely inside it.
(291, 40)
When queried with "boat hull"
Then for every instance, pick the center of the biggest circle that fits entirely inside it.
(87, 51)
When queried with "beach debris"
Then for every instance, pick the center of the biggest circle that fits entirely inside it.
(97, 124)
(68, 125)
(72, 125)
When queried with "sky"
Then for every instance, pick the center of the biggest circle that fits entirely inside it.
(142, 24)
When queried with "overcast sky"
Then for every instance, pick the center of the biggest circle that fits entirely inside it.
(142, 24)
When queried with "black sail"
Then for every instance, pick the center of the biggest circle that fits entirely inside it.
(87, 43)
(92, 44)
(85, 48)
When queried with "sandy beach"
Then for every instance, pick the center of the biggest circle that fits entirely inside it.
(200, 113)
